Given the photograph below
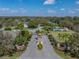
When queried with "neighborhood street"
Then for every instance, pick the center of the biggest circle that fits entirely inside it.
(32, 52)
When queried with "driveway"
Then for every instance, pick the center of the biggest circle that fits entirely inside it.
(33, 53)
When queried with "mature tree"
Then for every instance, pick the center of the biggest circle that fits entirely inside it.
(63, 37)
(20, 26)
(25, 33)
(32, 24)
(7, 28)
(23, 38)
(66, 23)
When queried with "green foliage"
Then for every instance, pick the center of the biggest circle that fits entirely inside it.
(52, 40)
(6, 44)
(32, 24)
(23, 38)
(73, 43)
(6, 51)
(25, 33)
(63, 37)
(39, 31)
(1, 26)
(1, 51)
(7, 28)
(20, 26)
(47, 28)
(66, 23)
(20, 40)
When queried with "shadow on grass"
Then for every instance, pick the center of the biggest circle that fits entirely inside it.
(61, 53)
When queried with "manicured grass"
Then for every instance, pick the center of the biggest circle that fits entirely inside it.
(61, 53)
(8, 57)
(55, 34)
(17, 54)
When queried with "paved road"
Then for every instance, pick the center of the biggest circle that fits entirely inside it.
(33, 53)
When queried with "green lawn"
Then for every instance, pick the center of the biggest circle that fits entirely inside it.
(17, 54)
(61, 53)
(55, 34)
(8, 57)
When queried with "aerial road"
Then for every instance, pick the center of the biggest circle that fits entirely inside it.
(32, 52)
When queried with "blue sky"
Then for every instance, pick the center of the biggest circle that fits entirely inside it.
(39, 7)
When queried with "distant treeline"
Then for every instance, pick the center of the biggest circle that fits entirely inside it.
(67, 21)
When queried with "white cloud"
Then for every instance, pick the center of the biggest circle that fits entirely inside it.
(62, 9)
(71, 11)
(13, 11)
(77, 2)
(47, 2)
(51, 11)
(9, 10)
(4, 9)
(77, 9)
(23, 10)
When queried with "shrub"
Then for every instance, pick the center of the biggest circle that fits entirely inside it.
(20, 40)
(23, 38)
(52, 40)
(32, 24)
(73, 43)
(47, 28)
(1, 51)
(20, 26)
(7, 28)
(25, 33)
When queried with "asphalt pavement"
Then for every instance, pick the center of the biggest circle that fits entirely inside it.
(32, 52)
